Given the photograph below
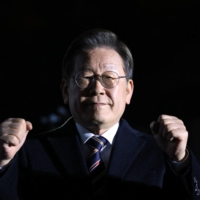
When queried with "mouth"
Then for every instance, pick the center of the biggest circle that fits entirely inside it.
(94, 103)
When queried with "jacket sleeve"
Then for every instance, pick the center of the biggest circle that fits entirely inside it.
(184, 185)
(8, 181)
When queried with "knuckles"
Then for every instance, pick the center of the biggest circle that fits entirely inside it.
(10, 139)
(167, 120)
(172, 125)
(13, 126)
(16, 120)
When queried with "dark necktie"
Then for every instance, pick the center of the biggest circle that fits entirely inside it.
(96, 167)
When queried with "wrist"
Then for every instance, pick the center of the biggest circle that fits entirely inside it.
(183, 159)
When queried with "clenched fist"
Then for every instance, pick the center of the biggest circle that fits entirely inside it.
(13, 132)
(171, 135)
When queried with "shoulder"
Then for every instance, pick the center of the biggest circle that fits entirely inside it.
(44, 142)
(66, 131)
(136, 143)
(67, 128)
(133, 138)
(124, 126)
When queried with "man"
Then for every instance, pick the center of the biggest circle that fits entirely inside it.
(97, 84)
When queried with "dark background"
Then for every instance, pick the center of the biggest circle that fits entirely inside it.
(164, 38)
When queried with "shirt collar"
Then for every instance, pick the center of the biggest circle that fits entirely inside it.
(86, 134)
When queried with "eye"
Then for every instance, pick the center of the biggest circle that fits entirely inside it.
(107, 77)
(89, 77)
(110, 76)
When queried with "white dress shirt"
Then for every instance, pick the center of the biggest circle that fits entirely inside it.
(106, 150)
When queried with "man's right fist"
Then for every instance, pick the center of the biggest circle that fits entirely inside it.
(13, 132)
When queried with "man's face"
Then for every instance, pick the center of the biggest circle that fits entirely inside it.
(95, 107)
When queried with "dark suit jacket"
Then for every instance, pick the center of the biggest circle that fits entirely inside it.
(51, 166)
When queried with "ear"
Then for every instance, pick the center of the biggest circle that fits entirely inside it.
(64, 90)
(129, 91)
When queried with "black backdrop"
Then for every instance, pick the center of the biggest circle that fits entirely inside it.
(162, 35)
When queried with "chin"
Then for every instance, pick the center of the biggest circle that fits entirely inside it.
(97, 120)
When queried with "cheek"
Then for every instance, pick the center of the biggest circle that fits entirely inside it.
(75, 98)
(118, 98)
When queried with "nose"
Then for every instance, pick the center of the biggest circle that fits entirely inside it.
(96, 87)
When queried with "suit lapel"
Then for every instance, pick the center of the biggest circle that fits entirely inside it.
(66, 145)
(127, 144)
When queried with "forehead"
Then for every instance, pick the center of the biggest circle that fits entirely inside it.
(100, 60)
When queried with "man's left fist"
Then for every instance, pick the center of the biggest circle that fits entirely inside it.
(171, 136)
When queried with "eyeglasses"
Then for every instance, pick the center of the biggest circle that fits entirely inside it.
(108, 79)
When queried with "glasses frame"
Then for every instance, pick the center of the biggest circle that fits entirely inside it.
(97, 77)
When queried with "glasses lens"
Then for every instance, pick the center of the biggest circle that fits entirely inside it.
(110, 79)
(83, 78)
